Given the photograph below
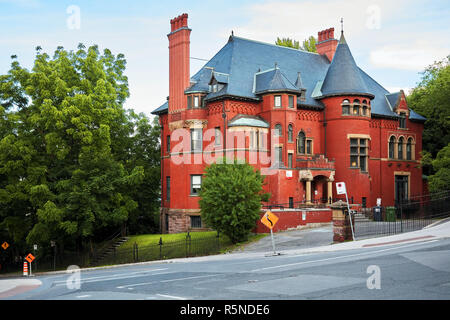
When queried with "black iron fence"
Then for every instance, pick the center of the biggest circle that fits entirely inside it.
(192, 245)
(412, 214)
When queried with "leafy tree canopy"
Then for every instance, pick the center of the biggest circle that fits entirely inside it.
(70, 161)
(231, 198)
(307, 45)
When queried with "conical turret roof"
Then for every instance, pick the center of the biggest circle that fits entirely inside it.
(343, 76)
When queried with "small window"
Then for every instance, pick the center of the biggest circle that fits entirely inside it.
(400, 148)
(290, 162)
(291, 202)
(217, 136)
(391, 147)
(402, 120)
(409, 149)
(168, 144)
(291, 101)
(196, 140)
(309, 146)
(301, 143)
(278, 130)
(277, 101)
(196, 102)
(290, 133)
(167, 188)
(279, 154)
(196, 184)
(189, 102)
(196, 222)
(346, 107)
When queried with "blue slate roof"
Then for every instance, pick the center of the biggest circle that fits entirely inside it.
(161, 109)
(248, 121)
(273, 80)
(238, 63)
(343, 76)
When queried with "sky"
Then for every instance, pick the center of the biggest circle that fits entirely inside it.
(393, 41)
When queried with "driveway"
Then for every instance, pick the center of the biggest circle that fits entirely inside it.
(315, 235)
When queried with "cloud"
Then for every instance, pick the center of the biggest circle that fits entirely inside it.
(302, 19)
(413, 57)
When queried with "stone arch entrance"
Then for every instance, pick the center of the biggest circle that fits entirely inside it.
(318, 186)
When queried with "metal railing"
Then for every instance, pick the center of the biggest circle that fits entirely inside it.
(192, 245)
(412, 214)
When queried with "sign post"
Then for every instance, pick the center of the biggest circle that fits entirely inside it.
(269, 220)
(341, 189)
(30, 259)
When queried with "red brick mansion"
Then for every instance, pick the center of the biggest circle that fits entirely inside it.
(304, 119)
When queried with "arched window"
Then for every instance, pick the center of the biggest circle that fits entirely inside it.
(391, 147)
(409, 149)
(356, 107)
(301, 142)
(290, 133)
(346, 107)
(400, 148)
(278, 130)
(364, 108)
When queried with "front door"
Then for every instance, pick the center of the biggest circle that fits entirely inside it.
(401, 189)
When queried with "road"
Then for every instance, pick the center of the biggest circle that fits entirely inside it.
(405, 270)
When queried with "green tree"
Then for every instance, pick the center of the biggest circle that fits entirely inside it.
(145, 152)
(287, 42)
(307, 45)
(441, 165)
(430, 98)
(64, 141)
(231, 196)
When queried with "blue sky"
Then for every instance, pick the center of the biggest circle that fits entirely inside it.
(393, 41)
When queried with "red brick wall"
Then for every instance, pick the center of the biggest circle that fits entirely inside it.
(294, 218)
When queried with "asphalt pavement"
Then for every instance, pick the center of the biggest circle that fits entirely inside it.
(414, 265)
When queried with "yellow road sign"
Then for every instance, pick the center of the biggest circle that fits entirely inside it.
(269, 219)
(5, 245)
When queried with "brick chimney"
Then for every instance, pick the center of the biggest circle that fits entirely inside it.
(326, 43)
(179, 73)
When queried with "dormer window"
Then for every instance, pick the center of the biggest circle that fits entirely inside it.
(402, 120)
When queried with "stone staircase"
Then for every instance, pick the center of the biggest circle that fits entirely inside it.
(108, 250)
(361, 217)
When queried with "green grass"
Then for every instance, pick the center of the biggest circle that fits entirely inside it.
(174, 246)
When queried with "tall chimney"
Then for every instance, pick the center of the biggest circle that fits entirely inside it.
(179, 73)
(326, 43)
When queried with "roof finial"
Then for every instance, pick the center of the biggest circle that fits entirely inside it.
(232, 33)
(276, 65)
(342, 25)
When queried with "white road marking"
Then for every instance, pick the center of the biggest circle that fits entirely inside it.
(142, 284)
(171, 297)
(110, 277)
(85, 296)
(169, 280)
(340, 257)
(179, 279)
